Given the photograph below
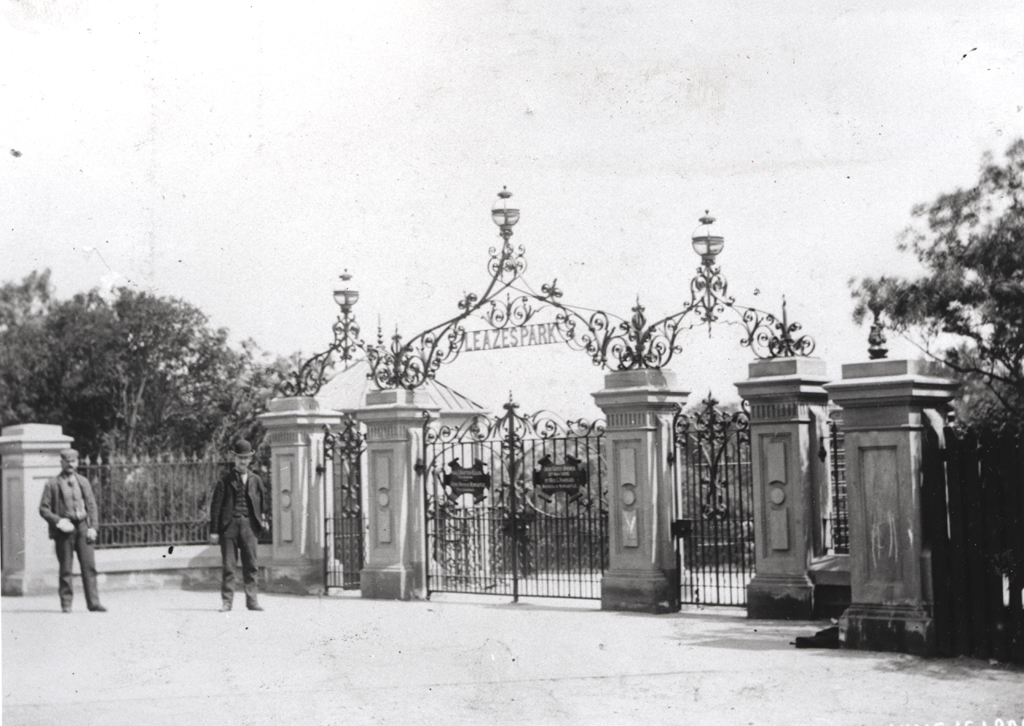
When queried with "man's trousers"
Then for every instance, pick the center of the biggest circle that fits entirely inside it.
(67, 544)
(239, 539)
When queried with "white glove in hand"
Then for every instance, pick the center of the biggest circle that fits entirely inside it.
(214, 539)
(90, 536)
(64, 525)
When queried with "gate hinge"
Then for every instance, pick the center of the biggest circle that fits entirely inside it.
(671, 458)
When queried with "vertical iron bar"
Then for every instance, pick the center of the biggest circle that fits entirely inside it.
(328, 513)
(730, 433)
(426, 508)
(512, 496)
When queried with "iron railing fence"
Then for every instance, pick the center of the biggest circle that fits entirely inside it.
(837, 522)
(157, 501)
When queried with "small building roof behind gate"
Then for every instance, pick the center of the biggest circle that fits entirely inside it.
(347, 389)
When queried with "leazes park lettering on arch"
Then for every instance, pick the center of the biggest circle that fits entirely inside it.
(512, 337)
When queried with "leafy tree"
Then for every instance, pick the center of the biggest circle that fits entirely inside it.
(967, 311)
(127, 373)
(22, 303)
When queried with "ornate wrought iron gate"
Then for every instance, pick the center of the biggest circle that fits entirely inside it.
(714, 506)
(343, 504)
(516, 505)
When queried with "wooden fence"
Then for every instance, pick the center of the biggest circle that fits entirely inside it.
(973, 515)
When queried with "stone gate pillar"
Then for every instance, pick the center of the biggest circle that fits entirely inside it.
(886, 405)
(396, 557)
(295, 431)
(31, 455)
(642, 573)
(788, 408)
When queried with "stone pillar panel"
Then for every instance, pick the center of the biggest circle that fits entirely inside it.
(878, 498)
(642, 571)
(380, 476)
(788, 407)
(886, 405)
(31, 456)
(627, 475)
(284, 470)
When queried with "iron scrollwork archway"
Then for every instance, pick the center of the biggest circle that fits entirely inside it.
(344, 528)
(516, 505)
(714, 504)
(508, 300)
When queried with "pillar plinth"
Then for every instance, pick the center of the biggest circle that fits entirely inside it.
(295, 432)
(643, 573)
(396, 516)
(788, 408)
(31, 456)
(886, 406)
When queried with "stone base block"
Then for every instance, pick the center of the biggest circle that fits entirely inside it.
(643, 592)
(20, 583)
(894, 628)
(189, 578)
(397, 582)
(780, 597)
(294, 579)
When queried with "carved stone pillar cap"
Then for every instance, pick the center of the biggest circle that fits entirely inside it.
(641, 378)
(400, 397)
(790, 388)
(295, 404)
(640, 388)
(893, 382)
(34, 435)
(298, 413)
(804, 367)
(896, 367)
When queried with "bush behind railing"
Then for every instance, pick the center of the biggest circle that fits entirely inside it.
(157, 501)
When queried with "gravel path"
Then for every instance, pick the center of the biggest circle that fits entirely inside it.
(168, 657)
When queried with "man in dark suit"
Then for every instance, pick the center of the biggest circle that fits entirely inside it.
(69, 507)
(236, 519)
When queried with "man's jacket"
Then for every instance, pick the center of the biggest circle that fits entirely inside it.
(224, 501)
(53, 506)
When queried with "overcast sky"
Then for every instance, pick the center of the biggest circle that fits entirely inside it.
(240, 156)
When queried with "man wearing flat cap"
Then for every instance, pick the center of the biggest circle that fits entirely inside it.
(69, 507)
(236, 519)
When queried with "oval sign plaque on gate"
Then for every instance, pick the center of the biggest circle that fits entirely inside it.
(552, 478)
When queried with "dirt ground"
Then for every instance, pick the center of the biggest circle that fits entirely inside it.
(168, 657)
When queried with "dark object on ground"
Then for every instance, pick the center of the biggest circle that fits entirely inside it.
(827, 638)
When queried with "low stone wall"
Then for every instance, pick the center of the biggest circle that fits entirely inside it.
(187, 566)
